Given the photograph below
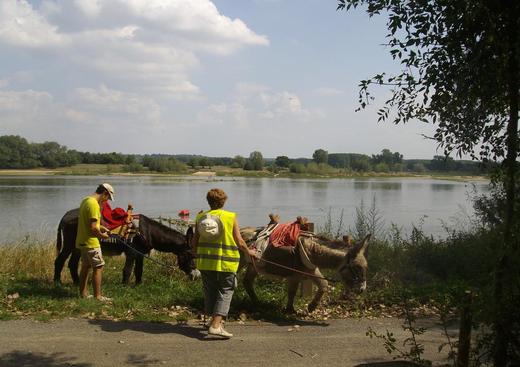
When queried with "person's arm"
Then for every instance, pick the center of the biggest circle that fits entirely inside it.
(240, 241)
(98, 231)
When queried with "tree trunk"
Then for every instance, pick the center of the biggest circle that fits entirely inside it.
(504, 266)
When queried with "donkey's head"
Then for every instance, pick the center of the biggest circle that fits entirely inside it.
(186, 258)
(353, 269)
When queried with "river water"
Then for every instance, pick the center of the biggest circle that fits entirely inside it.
(33, 205)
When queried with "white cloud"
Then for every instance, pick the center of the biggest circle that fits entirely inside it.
(91, 8)
(151, 45)
(21, 25)
(116, 107)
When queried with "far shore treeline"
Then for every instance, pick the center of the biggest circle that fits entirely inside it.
(17, 153)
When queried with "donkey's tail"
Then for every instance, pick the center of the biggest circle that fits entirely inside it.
(59, 238)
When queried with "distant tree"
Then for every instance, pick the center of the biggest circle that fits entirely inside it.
(16, 152)
(130, 158)
(381, 167)
(282, 161)
(418, 167)
(320, 156)
(340, 160)
(238, 162)
(442, 163)
(164, 164)
(204, 161)
(297, 168)
(193, 162)
(360, 163)
(256, 161)
(51, 154)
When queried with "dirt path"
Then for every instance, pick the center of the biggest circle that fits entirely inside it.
(107, 343)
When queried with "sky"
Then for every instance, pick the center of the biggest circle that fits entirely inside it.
(216, 78)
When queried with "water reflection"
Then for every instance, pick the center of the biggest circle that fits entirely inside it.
(442, 187)
(27, 202)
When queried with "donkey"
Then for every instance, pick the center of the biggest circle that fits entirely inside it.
(151, 235)
(310, 254)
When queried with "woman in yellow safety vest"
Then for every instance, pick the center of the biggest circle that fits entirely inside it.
(217, 242)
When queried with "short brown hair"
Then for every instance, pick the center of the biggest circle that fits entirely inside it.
(216, 198)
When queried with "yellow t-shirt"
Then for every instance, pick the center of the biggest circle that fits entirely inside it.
(88, 210)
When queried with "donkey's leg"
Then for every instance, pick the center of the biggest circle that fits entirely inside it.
(129, 265)
(292, 288)
(60, 262)
(138, 270)
(249, 280)
(74, 264)
(322, 288)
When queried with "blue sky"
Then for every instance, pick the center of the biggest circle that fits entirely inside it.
(219, 78)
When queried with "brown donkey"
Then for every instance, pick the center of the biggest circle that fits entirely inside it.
(311, 254)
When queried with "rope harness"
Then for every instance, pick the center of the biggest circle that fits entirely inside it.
(122, 241)
(253, 259)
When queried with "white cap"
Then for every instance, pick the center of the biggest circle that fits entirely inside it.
(110, 190)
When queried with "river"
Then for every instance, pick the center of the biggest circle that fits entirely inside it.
(33, 205)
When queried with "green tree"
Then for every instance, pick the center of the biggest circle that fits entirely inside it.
(238, 162)
(460, 71)
(297, 168)
(320, 156)
(16, 152)
(256, 161)
(282, 161)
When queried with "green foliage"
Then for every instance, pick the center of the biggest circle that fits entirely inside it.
(282, 161)
(16, 152)
(134, 167)
(411, 348)
(387, 161)
(319, 169)
(320, 156)
(238, 162)
(297, 168)
(255, 162)
(450, 74)
(164, 164)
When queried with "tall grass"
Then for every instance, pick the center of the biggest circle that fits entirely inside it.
(29, 257)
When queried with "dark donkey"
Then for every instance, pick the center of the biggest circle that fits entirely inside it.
(151, 235)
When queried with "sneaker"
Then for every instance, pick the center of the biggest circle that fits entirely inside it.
(219, 331)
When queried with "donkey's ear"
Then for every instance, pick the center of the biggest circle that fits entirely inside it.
(362, 245)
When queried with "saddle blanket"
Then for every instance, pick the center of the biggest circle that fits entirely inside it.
(285, 234)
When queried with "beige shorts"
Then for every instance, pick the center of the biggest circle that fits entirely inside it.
(92, 257)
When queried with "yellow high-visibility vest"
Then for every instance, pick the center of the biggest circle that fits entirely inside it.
(220, 254)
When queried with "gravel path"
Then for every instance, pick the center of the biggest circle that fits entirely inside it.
(81, 342)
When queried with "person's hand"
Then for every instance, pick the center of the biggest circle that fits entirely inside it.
(253, 253)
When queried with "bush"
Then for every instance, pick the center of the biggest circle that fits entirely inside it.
(297, 168)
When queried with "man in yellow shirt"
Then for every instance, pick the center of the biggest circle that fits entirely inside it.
(90, 231)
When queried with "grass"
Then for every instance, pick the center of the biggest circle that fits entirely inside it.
(27, 291)
(428, 270)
